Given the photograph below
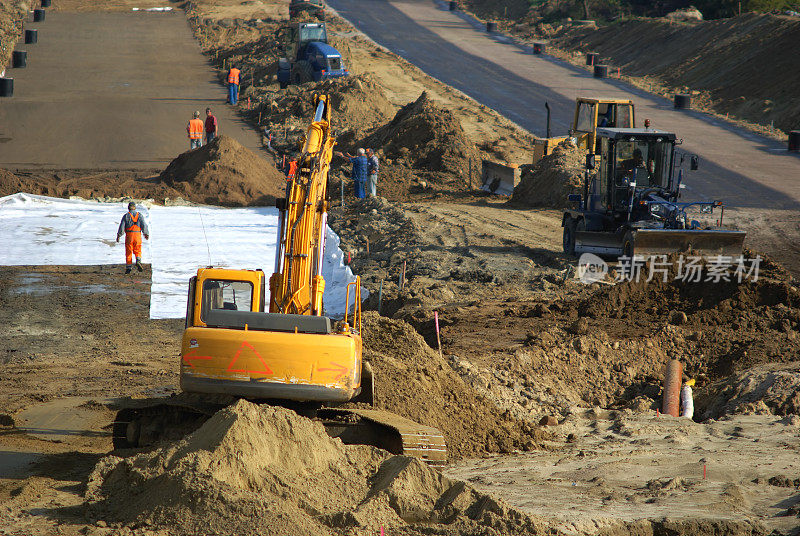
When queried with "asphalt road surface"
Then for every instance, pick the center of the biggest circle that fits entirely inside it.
(110, 90)
(737, 166)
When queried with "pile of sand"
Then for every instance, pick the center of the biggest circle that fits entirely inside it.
(225, 173)
(265, 470)
(609, 347)
(717, 328)
(412, 380)
(430, 140)
(550, 182)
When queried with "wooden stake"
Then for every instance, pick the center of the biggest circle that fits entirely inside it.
(380, 296)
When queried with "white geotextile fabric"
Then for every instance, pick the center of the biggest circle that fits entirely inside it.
(38, 230)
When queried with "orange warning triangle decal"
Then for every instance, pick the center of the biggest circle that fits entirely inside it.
(247, 347)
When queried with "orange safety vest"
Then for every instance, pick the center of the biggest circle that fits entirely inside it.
(196, 129)
(233, 76)
(292, 170)
(134, 228)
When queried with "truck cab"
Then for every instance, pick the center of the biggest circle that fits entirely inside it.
(630, 159)
(309, 57)
(590, 114)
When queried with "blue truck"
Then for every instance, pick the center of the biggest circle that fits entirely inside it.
(309, 57)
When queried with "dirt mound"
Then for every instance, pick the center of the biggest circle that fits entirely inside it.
(550, 182)
(266, 470)
(767, 389)
(706, 57)
(11, 21)
(406, 366)
(11, 184)
(224, 173)
(752, 322)
(96, 184)
(608, 347)
(358, 106)
(429, 139)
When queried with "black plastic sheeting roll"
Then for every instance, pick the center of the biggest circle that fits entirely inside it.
(591, 58)
(6, 87)
(19, 59)
(31, 36)
(601, 71)
(38, 15)
(538, 48)
(794, 140)
(491, 27)
(682, 101)
(453, 5)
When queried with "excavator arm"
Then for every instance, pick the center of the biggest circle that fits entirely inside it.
(297, 285)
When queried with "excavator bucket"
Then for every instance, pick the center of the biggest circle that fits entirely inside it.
(706, 243)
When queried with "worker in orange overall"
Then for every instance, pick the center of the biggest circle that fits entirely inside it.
(291, 168)
(233, 84)
(133, 226)
(195, 130)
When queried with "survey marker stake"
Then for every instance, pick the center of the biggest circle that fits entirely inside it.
(438, 339)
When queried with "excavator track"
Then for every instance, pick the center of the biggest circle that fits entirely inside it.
(149, 422)
(385, 430)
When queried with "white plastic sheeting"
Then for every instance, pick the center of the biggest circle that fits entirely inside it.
(38, 230)
(184, 239)
(44, 230)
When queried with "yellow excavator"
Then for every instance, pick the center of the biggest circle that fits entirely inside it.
(293, 355)
(591, 113)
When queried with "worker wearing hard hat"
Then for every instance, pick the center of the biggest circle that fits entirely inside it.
(195, 131)
(133, 226)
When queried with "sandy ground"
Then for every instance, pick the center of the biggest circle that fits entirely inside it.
(616, 468)
(624, 467)
(78, 337)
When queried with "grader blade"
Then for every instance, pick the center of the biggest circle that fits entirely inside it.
(707, 243)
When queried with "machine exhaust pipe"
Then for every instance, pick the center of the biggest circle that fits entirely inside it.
(547, 106)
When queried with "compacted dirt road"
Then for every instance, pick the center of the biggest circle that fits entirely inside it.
(110, 90)
(737, 166)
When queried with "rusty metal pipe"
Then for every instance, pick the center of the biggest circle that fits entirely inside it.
(671, 394)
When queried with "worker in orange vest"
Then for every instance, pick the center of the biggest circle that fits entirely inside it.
(291, 168)
(195, 131)
(233, 84)
(133, 226)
